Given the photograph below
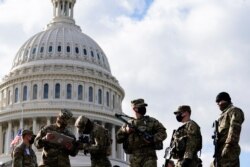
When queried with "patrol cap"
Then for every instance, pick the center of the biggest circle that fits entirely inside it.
(81, 122)
(26, 131)
(183, 108)
(138, 103)
(223, 96)
(65, 114)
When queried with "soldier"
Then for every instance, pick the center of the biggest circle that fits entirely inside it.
(142, 151)
(187, 139)
(23, 154)
(229, 129)
(56, 154)
(99, 143)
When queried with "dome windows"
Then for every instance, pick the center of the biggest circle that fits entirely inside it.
(57, 91)
(46, 91)
(25, 93)
(50, 49)
(59, 48)
(99, 96)
(91, 99)
(80, 92)
(34, 51)
(85, 51)
(16, 95)
(68, 49)
(77, 50)
(35, 92)
(69, 91)
(41, 49)
(92, 53)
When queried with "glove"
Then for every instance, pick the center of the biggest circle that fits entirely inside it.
(225, 150)
(186, 162)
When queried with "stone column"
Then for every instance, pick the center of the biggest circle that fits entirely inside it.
(114, 142)
(34, 125)
(48, 121)
(8, 137)
(1, 139)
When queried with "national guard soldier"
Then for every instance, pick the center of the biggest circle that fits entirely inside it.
(187, 139)
(56, 154)
(229, 128)
(98, 144)
(142, 149)
(23, 154)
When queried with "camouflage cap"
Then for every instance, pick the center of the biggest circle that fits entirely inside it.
(138, 103)
(65, 114)
(27, 131)
(81, 122)
(183, 108)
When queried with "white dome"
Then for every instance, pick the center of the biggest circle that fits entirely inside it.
(61, 42)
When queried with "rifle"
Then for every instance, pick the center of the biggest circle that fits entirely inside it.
(83, 139)
(169, 150)
(215, 137)
(146, 136)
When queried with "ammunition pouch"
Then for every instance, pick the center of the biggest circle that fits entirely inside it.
(158, 145)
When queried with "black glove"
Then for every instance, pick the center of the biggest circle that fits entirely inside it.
(186, 162)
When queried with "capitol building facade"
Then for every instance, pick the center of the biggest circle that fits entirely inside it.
(58, 68)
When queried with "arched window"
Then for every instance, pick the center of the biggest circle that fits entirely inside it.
(92, 53)
(46, 91)
(41, 49)
(80, 92)
(34, 91)
(16, 95)
(9, 97)
(50, 49)
(107, 98)
(99, 96)
(69, 91)
(90, 94)
(25, 93)
(77, 50)
(85, 51)
(57, 91)
(68, 49)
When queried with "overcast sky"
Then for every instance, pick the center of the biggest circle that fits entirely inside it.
(169, 52)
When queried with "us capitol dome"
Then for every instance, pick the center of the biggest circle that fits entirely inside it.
(58, 68)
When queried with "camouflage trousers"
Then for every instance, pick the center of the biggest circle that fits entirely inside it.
(196, 162)
(100, 162)
(229, 160)
(143, 160)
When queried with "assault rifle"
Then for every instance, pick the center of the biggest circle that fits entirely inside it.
(215, 137)
(169, 150)
(146, 136)
(83, 139)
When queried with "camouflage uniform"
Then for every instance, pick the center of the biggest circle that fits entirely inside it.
(55, 155)
(142, 152)
(24, 156)
(229, 134)
(187, 140)
(99, 145)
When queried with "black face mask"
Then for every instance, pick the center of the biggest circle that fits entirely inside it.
(32, 139)
(179, 117)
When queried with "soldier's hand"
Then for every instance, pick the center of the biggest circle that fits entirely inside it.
(186, 162)
(225, 150)
(127, 129)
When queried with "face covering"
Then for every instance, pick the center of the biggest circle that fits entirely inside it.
(179, 117)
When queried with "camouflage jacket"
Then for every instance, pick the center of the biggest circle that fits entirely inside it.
(99, 141)
(135, 141)
(54, 155)
(230, 123)
(187, 140)
(24, 156)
